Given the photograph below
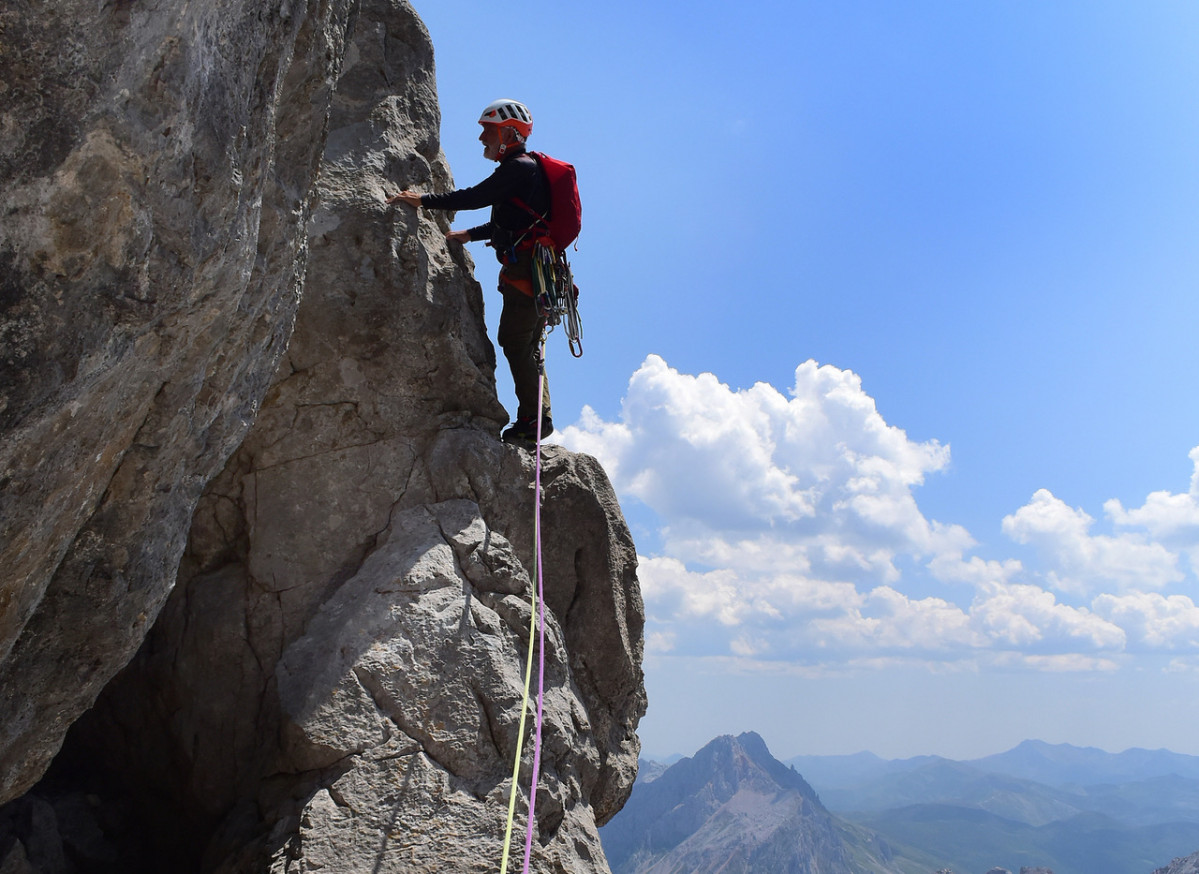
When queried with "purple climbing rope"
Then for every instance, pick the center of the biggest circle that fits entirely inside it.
(540, 607)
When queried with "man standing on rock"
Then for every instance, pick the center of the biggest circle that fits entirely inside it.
(517, 183)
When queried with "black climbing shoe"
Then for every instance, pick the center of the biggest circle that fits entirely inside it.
(525, 430)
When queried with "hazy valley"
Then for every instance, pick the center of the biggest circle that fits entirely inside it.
(734, 808)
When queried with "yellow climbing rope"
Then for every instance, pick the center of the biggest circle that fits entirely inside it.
(537, 607)
(524, 709)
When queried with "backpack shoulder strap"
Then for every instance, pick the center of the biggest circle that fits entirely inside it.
(538, 218)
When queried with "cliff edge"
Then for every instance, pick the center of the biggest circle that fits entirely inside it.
(250, 463)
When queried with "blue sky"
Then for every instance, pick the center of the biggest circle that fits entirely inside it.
(889, 349)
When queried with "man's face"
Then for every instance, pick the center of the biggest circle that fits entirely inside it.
(491, 138)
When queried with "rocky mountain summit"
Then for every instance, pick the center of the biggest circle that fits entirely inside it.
(1187, 865)
(734, 808)
(267, 567)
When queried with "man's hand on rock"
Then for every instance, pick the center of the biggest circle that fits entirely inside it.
(412, 198)
(458, 236)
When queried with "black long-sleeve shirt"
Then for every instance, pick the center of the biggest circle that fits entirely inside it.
(518, 175)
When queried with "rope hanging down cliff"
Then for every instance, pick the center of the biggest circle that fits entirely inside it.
(536, 629)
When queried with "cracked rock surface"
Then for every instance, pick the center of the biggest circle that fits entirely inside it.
(156, 165)
(335, 681)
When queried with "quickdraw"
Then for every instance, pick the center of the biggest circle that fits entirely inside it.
(557, 295)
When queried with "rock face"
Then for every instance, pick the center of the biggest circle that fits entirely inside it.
(155, 164)
(335, 681)
(732, 808)
(1187, 865)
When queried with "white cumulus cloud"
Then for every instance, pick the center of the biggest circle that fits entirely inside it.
(1172, 519)
(1083, 562)
(819, 479)
(1153, 620)
(791, 535)
(1030, 618)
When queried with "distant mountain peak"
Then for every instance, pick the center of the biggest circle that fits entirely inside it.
(1187, 865)
(746, 760)
(730, 807)
(1065, 764)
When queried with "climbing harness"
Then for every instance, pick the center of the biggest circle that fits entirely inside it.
(536, 630)
(556, 294)
(556, 298)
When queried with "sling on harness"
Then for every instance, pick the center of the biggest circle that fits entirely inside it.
(556, 294)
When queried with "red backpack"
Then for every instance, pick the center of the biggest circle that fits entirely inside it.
(560, 226)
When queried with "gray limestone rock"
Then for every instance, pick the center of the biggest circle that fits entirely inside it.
(336, 679)
(1185, 865)
(156, 164)
(733, 807)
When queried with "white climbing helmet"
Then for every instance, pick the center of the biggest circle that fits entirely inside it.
(509, 113)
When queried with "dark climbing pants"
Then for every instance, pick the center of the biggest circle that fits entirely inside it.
(520, 338)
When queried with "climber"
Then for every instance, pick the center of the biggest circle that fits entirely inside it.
(506, 126)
